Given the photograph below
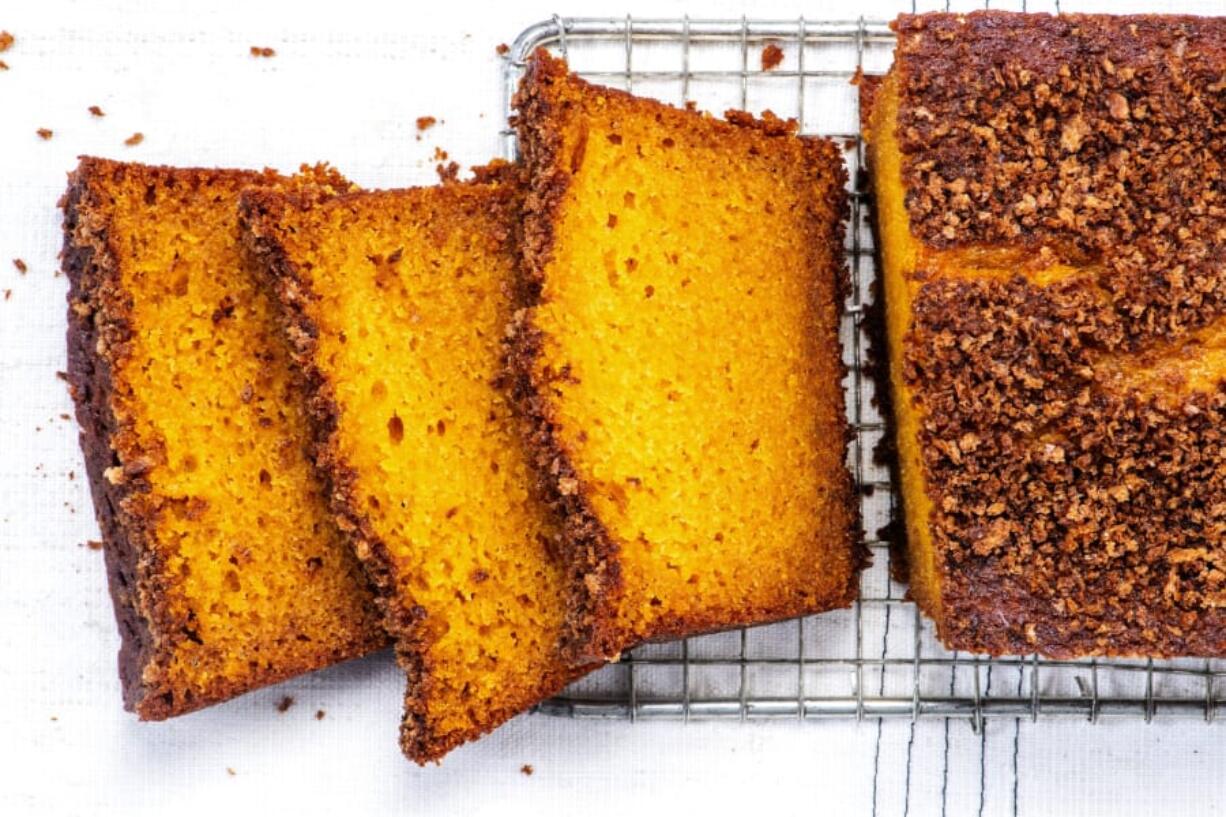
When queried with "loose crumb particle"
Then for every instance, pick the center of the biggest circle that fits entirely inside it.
(285, 703)
(135, 139)
(230, 771)
(96, 111)
(440, 155)
(8, 293)
(772, 56)
(93, 544)
(424, 122)
(45, 133)
(62, 376)
(526, 770)
(502, 49)
(448, 173)
(319, 714)
(20, 265)
(6, 40)
(260, 51)
(4, 66)
(55, 717)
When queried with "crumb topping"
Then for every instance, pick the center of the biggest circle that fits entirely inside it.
(1074, 513)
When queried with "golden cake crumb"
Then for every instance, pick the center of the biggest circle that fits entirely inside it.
(258, 51)
(96, 111)
(45, 133)
(424, 122)
(526, 770)
(6, 41)
(395, 303)
(134, 139)
(772, 56)
(244, 581)
(703, 483)
(20, 265)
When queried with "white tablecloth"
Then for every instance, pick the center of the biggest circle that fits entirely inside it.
(348, 81)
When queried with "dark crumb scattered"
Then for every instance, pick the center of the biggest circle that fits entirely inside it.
(526, 770)
(20, 265)
(285, 703)
(502, 49)
(868, 489)
(691, 105)
(319, 714)
(55, 717)
(424, 122)
(4, 66)
(259, 51)
(45, 133)
(62, 376)
(94, 544)
(449, 172)
(8, 293)
(230, 771)
(64, 416)
(772, 55)
(135, 139)
(440, 155)
(6, 40)
(96, 111)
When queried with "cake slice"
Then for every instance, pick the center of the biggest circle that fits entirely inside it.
(680, 362)
(395, 303)
(226, 570)
(1052, 222)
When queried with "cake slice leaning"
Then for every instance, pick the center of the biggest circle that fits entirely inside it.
(680, 362)
(226, 570)
(1052, 222)
(395, 303)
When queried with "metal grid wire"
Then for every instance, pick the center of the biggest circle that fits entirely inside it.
(880, 659)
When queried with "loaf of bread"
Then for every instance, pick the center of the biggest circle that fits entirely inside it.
(1052, 220)
(679, 362)
(226, 570)
(395, 303)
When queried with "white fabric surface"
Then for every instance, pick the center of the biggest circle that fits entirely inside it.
(346, 85)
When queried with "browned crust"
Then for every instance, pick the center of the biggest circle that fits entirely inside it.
(878, 364)
(98, 337)
(261, 213)
(1074, 515)
(589, 551)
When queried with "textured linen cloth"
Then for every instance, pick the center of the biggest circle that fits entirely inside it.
(346, 85)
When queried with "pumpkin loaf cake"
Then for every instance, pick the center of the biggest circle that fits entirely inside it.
(226, 570)
(1051, 210)
(395, 303)
(679, 362)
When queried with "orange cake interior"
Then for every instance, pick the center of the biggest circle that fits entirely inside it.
(680, 362)
(396, 304)
(226, 570)
(1051, 226)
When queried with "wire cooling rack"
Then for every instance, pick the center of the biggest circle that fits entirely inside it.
(879, 659)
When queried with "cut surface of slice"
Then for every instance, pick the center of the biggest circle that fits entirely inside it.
(1051, 215)
(226, 570)
(680, 362)
(396, 303)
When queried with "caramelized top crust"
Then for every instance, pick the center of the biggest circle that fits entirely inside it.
(1063, 178)
(1102, 138)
